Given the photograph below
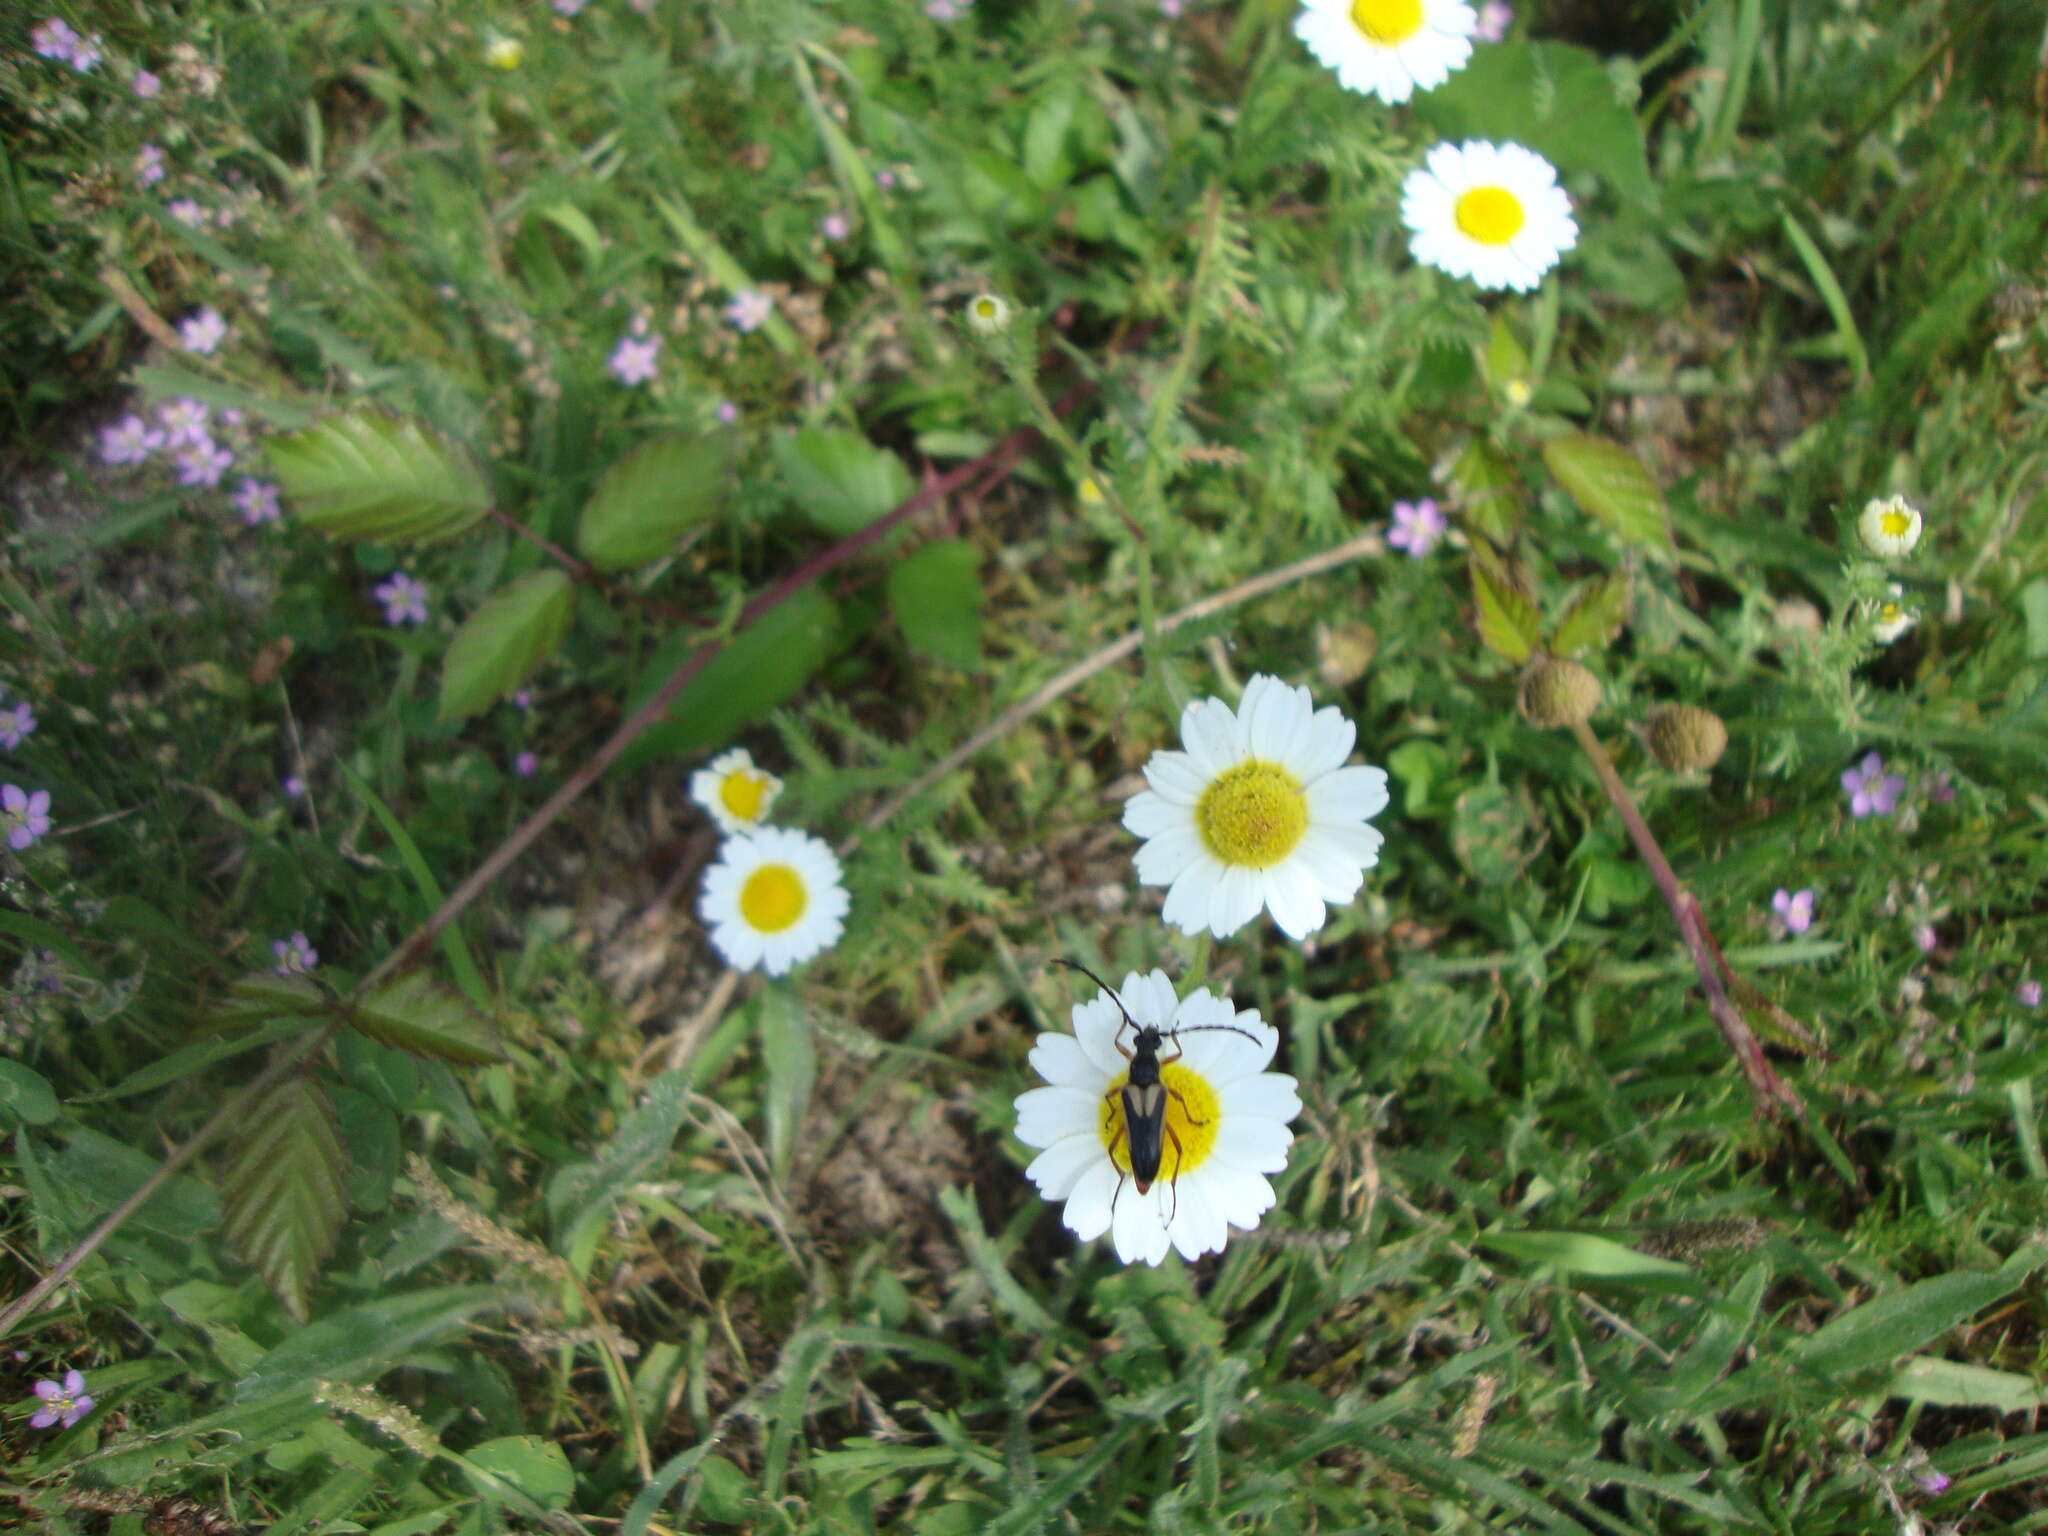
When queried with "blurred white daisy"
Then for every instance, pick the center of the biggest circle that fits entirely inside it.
(773, 899)
(1493, 213)
(1889, 527)
(987, 314)
(736, 793)
(1225, 1126)
(1388, 48)
(1259, 811)
(1892, 618)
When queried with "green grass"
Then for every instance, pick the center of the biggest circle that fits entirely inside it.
(688, 1251)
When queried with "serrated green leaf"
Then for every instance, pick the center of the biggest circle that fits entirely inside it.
(367, 475)
(417, 1014)
(1508, 622)
(284, 1192)
(762, 665)
(1580, 1253)
(1595, 617)
(536, 1467)
(500, 644)
(651, 498)
(936, 596)
(1611, 486)
(261, 995)
(26, 1094)
(1489, 492)
(840, 480)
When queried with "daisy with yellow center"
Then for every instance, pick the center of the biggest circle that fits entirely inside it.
(987, 314)
(735, 792)
(1891, 619)
(1493, 213)
(1889, 527)
(1259, 811)
(1388, 48)
(1225, 1124)
(773, 899)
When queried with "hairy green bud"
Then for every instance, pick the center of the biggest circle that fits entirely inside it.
(1555, 693)
(1686, 738)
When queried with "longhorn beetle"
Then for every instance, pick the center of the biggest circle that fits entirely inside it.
(1143, 1096)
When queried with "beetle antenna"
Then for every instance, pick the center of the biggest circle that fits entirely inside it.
(1075, 965)
(1196, 1029)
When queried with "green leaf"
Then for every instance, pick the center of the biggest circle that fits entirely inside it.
(371, 476)
(936, 596)
(258, 996)
(1611, 486)
(26, 1094)
(201, 1054)
(351, 1343)
(651, 498)
(582, 1191)
(791, 1059)
(840, 480)
(1489, 491)
(1508, 622)
(1953, 1384)
(1882, 1329)
(417, 1014)
(1581, 1253)
(2034, 605)
(760, 667)
(500, 644)
(1595, 617)
(536, 1467)
(284, 1190)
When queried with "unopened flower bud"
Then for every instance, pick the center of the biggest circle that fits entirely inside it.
(1687, 739)
(987, 314)
(1555, 693)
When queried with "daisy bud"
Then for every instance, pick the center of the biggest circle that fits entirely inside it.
(1889, 527)
(501, 52)
(1555, 693)
(987, 315)
(1687, 739)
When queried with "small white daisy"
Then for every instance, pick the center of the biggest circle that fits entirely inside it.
(1889, 527)
(1493, 213)
(735, 792)
(773, 899)
(1889, 620)
(1225, 1127)
(1388, 48)
(1259, 811)
(987, 314)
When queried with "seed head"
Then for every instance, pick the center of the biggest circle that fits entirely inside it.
(1686, 738)
(1557, 693)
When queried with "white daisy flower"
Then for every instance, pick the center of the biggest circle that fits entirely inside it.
(734, 791)
(1224, 1130)
(1259, 811)
(1388, 48)
(987, 314)
(1889, 527)
(1891, 619)
(1491, 212)
(773, 899)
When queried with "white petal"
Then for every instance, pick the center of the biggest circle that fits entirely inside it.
(1240, 1195)
(1060, 1060)
(1169, 856)
(1087, 1212)
(1338, 875)
(1235, 901)
(1047, 1115)
(1187, 904)
(1250, 1143)
(1275, 716)
(1058, 1169)
(1324, 746)
(1348, 794)
(1209, 728)
(1356, 845)
(1197, 1228)
(1175, 778)
(1138, 1228)
(1151, 998)
(1263, 1096)
(1294, 897)
(1148, 815)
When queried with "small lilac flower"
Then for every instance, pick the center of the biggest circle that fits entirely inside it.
(727, 412)
(149, 165)
(1794, 909)
(1931, 1482)
(202, 463)
(85, 53)
(1939, 790)
(294, 787)
(1925, 938)
(54, 39)
(146, 85)
(749, 310)
(568, 7)
(947, 10)
(186, 212)
(2027, 994)
(256, 500)
(231, 417)
(526, 765)
(1872, 791)
(295, 956)
(17, 724)
(1494, 18)
(834, 226)
(131, 440)
(885, 179)
(25, 816)
(1417, 527)
(633, 360)
(404, 599)
(203, 332)
(1171, 9)
(523, 699)
(63, 1404)
(184, 422)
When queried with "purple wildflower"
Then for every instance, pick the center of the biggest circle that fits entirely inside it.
(202, 463)
(947, 10)
(146, 85)
(86, 53)
(1872, 791)
(1939, 790)
(54, 39)
(404, 599)
(749, 309)
(25, 816)
(130, 440)
(184, 421)
(1171, 9)
(568, 7)
(834, 226)
(203, 332)
(2027, 994)
(1417, 527)
(63, 1404)
(633, 360)
(523, 699)
(1794, 909)
(293, 786)
(1931, 1482)
(727, 412)
(885, 179)
(1494, 18)
(526, 765)
(256, 500)
(1925, 938)
(186, 212)
(295, 955)
(17, 724)
(149, 165)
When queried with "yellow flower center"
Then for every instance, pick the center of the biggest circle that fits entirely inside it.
(1890, 613)
(1253, 814)
(773, 898)
(1896, 524)
(985, 308)
(1192, 1120)
(1490, 215)
(744, 794)
(1387, 22)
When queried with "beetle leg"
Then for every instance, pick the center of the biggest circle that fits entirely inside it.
(1173, 1094)
(1179, 1157)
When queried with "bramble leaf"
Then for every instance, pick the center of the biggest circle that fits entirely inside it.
(651, 498)
(1508, 622)
(515, 630)
(1611, 486)
(1595, 617)
(417, 1014)
(284, 1193)
(367, 475)
(935, 594)
(841, 481)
